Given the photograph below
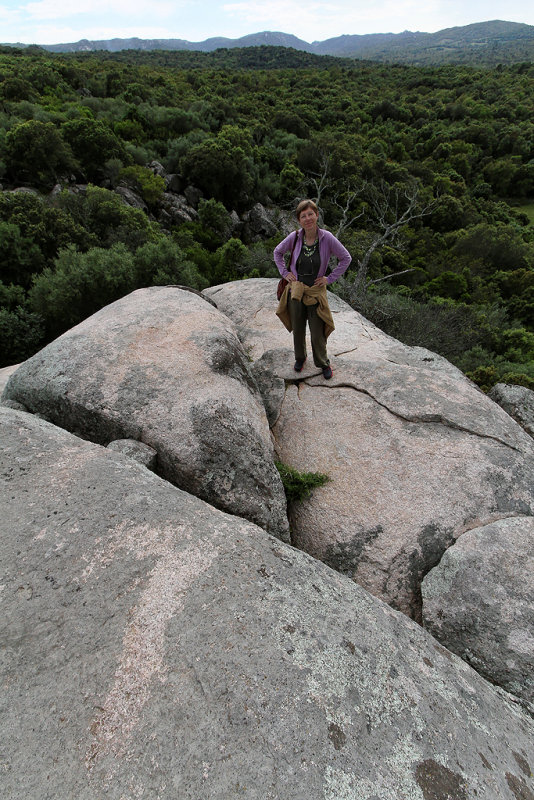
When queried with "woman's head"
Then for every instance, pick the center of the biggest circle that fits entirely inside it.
(304, 205)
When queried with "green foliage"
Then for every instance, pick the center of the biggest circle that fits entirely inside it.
(519, 378)
(493, 247)
(291, 181)
(222, 166)
(214, 216)
(448, 284)
(447, 328)
(231, 258)
(258, 261)
(93, 143)
(265, 125)
(485, 377)
(162, 263)
(21, 334)
(16, 89)
(19, 256)
(142, 180)
(80, 284)
(36, 153)
(299, 485)
(11, 296)
(40, 226)
(107, 218)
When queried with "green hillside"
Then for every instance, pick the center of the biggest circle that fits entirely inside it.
(453, 147)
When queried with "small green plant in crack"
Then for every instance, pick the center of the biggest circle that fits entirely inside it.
(299, 485)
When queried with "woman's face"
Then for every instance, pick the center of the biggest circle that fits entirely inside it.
(308, 219)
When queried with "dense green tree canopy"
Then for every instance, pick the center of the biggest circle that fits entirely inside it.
(271, 125)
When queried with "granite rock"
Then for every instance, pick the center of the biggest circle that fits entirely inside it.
(164, 367)
(416, 453)
(155, 647)
(479, 603)
(518, 401)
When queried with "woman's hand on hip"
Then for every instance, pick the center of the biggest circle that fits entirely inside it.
(290, 277)
(321, 281)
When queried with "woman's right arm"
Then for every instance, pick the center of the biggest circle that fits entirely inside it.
(279, 251)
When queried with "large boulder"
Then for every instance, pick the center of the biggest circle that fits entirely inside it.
(131, 198)
(479, 603)
(416, 454)
(259, 223)
(5, 374)
(164, 367)
(518, 401)
(154, 647)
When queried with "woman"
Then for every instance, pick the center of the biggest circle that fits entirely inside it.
(304, 299)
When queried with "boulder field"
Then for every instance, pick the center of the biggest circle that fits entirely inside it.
(164, 367)
(416, 454)
(172, 628)
(156, 647)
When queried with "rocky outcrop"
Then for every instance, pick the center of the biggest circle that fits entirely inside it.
(259, 224)
(262, 222)
(156, 647)
(479, 603)
(175, 210)
(416, 454)
(131, 198)
(518, 401)
(164, 367)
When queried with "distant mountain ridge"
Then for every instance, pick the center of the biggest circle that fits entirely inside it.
(483, 42)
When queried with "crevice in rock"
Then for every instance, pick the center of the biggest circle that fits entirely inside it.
(345, 352)
(425, 419)
(472, 525)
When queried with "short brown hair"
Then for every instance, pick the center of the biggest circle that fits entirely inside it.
(303, 205)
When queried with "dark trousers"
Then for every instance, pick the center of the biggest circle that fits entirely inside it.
(300, 314)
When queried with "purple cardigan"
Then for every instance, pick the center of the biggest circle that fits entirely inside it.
(328, 246)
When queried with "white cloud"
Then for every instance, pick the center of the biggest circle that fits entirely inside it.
(50, 34)
(8, 16)
(321, 20)
(324, 20)
(59, 9)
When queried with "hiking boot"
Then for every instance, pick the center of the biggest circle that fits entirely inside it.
(299, 363)
(327, 372)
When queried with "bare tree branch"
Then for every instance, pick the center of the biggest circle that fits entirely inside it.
(388, 208)
(392, 275)
(391, 209)
(344, 201)
(321, 180)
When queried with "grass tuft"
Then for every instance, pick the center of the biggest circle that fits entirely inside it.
(299, 485)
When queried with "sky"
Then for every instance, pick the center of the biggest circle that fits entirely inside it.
(61, 21)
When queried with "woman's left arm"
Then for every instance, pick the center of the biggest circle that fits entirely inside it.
(343, 256)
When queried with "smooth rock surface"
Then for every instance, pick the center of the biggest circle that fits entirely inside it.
(164, 367)
(518, 401)
(415, 452)
(479, 603)
(154, 647)
(140, 452)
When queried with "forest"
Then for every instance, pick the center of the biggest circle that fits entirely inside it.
(425, 173)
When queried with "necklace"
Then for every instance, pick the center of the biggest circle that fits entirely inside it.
(309, 249)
